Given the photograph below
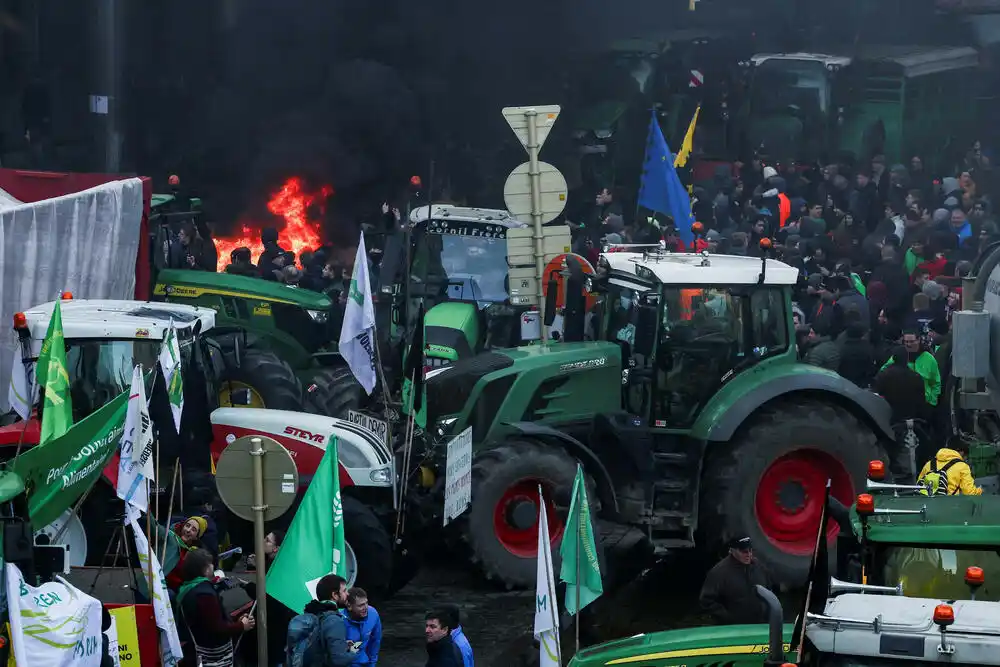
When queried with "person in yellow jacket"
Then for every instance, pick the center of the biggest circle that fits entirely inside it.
(948, 473)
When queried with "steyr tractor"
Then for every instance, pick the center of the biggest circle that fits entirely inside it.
(105, 339)
(682, 397)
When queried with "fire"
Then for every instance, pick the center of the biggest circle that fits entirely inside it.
(300, 234)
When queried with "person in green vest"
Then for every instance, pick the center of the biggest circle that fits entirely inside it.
(924, 364)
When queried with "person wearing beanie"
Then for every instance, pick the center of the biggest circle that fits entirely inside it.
(184, 537)
(269, 239)
(770, 172)
(950, 187)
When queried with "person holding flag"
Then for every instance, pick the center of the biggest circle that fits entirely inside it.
(581, 568)
(546, 623)
(357, 335)
(661, 190)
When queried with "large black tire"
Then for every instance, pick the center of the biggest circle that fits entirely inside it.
(838, 447)
(498, 469)
(270, 378)
(332, 392)
(372, 546)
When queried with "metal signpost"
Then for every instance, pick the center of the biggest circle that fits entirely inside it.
(258, 481)
(532, 125)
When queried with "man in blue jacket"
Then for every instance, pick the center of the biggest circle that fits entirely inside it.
(364, 628)
(458, 635)
(318, 636)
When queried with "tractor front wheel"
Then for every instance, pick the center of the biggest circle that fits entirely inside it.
(332, 392)
(270, 381)
(501, 525)
(770, 482)
(369, 549)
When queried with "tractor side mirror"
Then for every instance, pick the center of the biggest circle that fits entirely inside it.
(645, 330)
(239, 397)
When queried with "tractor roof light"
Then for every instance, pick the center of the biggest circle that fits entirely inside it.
(944, 615)
(865, 505)
(20, 321)
(697, 229)
(974, 576)
(66, 296)
(876, 470)
(765, 244)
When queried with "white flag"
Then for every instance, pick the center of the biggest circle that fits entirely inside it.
(357, 336)
(170, 642)
(135, 465)
(20, 396)
(170, 361)
(546, 613)
(54, 625)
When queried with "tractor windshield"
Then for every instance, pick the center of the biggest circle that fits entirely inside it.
(462, 267)
(101, 369)
(782, 84)
(940, 573)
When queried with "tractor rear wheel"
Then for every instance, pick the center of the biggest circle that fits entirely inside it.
(270, 380)
(769, 483)
(501, 525)
(332, 392)
(369, 549)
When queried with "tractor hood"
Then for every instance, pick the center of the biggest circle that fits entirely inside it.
(451, 330)
(693, 647)
(183, 284)
(363, 456)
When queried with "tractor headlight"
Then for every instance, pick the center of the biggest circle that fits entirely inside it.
(381, 475)
(318, 316)
(444, 424)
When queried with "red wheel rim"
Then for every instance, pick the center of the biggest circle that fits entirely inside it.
(789, 499)
(523, 542)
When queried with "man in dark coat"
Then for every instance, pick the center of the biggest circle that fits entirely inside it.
(266, 263)
(729, 593)
(441, 648)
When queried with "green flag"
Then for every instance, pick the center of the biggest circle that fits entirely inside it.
(582, 575)
(53, 377)
(314, 544)
(58, 472)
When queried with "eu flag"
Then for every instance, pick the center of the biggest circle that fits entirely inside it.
(661, 189)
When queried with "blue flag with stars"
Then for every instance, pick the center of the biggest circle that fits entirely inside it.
(661, 188)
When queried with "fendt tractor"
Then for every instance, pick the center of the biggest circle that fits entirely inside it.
(105, 339)
(681, 394)
(912, 585)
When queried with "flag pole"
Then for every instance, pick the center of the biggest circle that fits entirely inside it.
(170, 507)
(149, 532)
(579, 548)
(550, 585)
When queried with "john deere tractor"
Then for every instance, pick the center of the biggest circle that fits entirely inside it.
(682, 397)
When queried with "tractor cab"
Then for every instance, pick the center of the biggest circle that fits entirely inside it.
(458, 271)
(688, 324)
(864, 101)
(926, 542)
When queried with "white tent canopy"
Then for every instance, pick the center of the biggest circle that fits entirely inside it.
(85, 243)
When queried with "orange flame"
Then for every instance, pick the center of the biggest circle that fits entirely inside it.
(300, 234)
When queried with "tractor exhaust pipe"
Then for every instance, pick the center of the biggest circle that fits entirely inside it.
(775, 623)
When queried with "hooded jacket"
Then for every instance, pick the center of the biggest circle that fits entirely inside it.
(325, 618)
(927, 368)
(368, 631)
(464, 647)
(960, 479)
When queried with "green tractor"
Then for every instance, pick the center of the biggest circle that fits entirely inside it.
(452, 261)
(683, 399)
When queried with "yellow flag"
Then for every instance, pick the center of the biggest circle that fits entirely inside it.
(685, 152)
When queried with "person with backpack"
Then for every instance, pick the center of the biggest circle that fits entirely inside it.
(205, 625)
(947, 474)
(318, 636)
(364, 627)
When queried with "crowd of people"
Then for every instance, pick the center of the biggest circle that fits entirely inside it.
(881, 250)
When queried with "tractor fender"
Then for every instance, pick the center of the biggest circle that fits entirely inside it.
(575, 448)
(825, 385)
